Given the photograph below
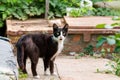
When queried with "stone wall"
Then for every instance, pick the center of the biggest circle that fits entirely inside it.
(75, 43)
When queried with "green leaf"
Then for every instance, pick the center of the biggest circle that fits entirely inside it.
(4, 16)
(27, 11)
(101, 40)
(40, 11)
(115, 24)
(117, 49)
(2, 7)
(16, 15)
(111, 41)
(1, 24)
(117, 72)
(51, 15)
(52, 3)
(100, 25)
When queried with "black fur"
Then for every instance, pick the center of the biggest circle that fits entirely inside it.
(3, 30)
(35, 46)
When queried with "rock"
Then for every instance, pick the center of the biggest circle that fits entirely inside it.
(72, 53)
(8, 64)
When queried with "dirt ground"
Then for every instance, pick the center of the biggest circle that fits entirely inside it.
(69, 68)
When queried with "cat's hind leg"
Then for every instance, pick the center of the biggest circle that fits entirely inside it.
(24, 70)
(34, 57)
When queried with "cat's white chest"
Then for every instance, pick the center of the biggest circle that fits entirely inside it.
(60, 47)
(59, 50)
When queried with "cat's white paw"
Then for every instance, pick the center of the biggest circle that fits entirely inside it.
(47, 72)
(36, 77)
(54, 74)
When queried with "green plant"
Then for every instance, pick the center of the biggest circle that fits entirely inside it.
(85, 8)
(20, 9)
(104, 71)
(111, 40)
(108, 26)
(58, 7)
(24, 9)
(81, 12)
(81, 54)
(89, 50)
(22, 75)
(106, 12)
(115, 64)
(103, 52)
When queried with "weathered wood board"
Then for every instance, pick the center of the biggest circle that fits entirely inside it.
(87, 26)
(88, 22)
(15, 27)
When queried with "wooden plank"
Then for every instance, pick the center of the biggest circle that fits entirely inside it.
(93, 31)
(87, 22)
(28, 25)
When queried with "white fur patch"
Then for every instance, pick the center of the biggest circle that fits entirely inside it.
(47, 72)
(60, 41)
(36, 77)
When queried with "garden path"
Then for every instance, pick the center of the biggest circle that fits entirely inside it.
(70, 68)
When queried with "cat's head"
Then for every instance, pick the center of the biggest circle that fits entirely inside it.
(60, 33)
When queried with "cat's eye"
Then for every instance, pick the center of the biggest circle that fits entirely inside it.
(64, 33)
(58, 33)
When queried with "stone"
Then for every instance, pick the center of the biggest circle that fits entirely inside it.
(8, 64)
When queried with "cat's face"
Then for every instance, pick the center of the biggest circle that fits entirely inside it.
(60, 33)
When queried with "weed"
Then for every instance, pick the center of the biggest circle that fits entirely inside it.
(22, 75)
(89, 50)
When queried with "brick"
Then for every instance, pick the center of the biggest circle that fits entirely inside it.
(76, 38)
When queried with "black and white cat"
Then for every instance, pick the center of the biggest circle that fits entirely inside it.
(41, 45)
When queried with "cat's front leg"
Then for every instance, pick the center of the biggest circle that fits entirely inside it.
(46, 66)
(52, 68)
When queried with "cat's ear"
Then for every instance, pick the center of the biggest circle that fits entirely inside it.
(55, 27)
(65, 28)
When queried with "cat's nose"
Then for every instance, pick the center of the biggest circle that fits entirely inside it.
(60, 38)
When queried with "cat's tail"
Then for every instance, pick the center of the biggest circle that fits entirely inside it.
(20, 53)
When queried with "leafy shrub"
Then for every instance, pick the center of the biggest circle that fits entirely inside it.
(116, 67)
(89, 50)
(81, 12)
(106, 12)
(111, 40)
(20, 9)
(24, 9)
(58, 7)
